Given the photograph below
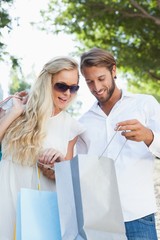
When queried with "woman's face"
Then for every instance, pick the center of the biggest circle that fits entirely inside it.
(65, 86)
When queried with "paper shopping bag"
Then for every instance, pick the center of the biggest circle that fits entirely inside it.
(88, 199)
(37, 216)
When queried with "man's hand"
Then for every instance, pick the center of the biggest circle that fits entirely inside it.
(135, 131)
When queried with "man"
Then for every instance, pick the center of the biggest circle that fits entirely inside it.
(126, 128)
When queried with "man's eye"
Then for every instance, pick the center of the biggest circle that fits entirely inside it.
(89, 82)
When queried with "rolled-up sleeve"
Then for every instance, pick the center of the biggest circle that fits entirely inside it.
(155, 145)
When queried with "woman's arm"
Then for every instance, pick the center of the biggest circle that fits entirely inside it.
(50, 156)
(70, 150)
(9, 115)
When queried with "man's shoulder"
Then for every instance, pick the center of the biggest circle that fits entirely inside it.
(140, 96)
(146, 98)
(90, 112)
(85, 115)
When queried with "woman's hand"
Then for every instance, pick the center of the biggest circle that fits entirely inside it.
(18, 106)
(19, 100)
(50, 156)
(46, 162)
(10, 111)
(23, 96)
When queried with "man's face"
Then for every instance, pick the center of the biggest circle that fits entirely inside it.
(100, 82)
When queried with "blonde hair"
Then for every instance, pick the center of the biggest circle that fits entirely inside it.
(23, 139)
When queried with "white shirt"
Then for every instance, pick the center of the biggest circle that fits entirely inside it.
(60, 130)
(135, 163)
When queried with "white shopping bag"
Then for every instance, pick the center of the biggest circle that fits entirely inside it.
(88, 199)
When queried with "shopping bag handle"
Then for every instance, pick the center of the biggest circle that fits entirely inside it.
(38, 176)
(5, 100)
(110, 143)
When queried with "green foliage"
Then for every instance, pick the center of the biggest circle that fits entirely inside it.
(147, 87)
(129, 29)
(17, 83)
(137, 85)
(18, 86)
(6, 25)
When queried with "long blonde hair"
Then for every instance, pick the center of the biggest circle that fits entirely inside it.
(23, 139)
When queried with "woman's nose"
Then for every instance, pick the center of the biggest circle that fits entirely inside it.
(67, 92)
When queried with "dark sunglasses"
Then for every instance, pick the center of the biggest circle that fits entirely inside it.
(61, 87)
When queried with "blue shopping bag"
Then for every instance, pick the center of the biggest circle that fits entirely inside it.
(0, 155)
(37, 215)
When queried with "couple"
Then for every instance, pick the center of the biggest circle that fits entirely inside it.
(41, 129)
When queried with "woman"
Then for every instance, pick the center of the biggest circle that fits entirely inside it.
(39, 130)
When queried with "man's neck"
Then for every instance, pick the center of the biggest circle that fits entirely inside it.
(107, 106)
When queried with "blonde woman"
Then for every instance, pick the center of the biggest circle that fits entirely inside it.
(39, 130)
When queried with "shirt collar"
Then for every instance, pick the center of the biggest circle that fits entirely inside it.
(95, 107)
(126, 94)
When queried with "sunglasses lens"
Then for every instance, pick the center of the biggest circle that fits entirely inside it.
(74, 89)
(61, 87)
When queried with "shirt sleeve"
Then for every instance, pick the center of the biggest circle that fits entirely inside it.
(155, 145)
(82, 144)
(154, 125)
(76, 129)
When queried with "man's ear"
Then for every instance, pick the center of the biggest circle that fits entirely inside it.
(114, 71)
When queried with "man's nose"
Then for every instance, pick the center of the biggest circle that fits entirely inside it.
(97, 86)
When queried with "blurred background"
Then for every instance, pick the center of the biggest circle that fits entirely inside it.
(32, 32)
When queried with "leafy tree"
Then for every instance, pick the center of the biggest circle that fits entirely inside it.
(129, 29)
(6, 25)
(17, 81)
(18, 86)
(146, 86)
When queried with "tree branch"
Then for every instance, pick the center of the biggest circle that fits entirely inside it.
(136, 5)
(158, 3)
(153, 75)
(144, 12)
(141, 14)
(132, 15)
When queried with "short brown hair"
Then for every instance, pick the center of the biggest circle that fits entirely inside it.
(97, 57)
